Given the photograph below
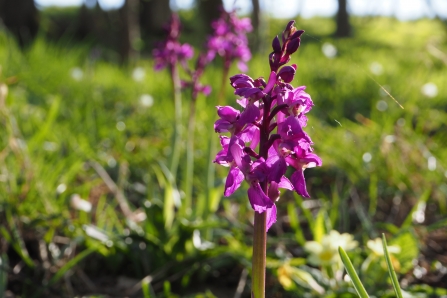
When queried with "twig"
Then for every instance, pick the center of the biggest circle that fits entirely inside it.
(132, 291)
(90, 285)
(44, 257)
(119, 195)
(241, 284)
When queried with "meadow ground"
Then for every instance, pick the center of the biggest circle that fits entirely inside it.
(74, 126)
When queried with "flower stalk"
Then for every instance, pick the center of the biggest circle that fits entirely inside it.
(177, 137)
(259, 255)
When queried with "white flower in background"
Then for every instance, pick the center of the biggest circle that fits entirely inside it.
(78, 203)
(326, 251)
(376, 68)
(378, 254)
(146, 100)
(431, 163)
(376, 247)
(329, 50)
(367, 157)
(138, 74)
(429, 90)
(61, 188)
(76, 73)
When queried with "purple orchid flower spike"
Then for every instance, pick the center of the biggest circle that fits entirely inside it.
(253, 151)
(258, 154)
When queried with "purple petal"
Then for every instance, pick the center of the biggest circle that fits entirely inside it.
(299, 183)
(249, 115)
(271, 216)
(234, 180)
(222, 126)
(242, 66)
(271, 82)
(285, 183)
(277, 168)
(311, 160)
(206, 90)
(243, 102)
(273, 192)
(250, 135)
(240, 76)
(236, 147)
(254, 93)
(228, 113)
(258, 200)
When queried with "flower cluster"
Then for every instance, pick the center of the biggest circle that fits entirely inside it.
(229, 39)
(171, 51)
(268, 106)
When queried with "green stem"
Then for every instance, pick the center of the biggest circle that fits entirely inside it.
(259, 255)
(221, 95)
(190, 157)
(175, 154)
(212, 147)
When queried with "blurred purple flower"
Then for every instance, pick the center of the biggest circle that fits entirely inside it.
(229, 39)
(171, 51)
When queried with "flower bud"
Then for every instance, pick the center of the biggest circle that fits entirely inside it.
(297, 34)
(290, 29)
(287, 73)
(276, 45)
(292, 46)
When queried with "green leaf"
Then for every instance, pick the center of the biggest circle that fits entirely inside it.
(304, 278)
(49, 120)
(409, 250)
(307, 214)
(358, 286)
(215, 197)
(391, 271)
(437, 225)
(168, 206)
(318, 229)
(295, 224)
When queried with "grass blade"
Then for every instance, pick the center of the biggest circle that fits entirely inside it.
(3, 274)
(391, 269)
(352, 274)
(70, 264)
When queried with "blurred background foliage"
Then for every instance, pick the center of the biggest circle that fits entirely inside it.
(88, 207)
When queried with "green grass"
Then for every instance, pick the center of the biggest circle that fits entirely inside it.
(53, 127)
